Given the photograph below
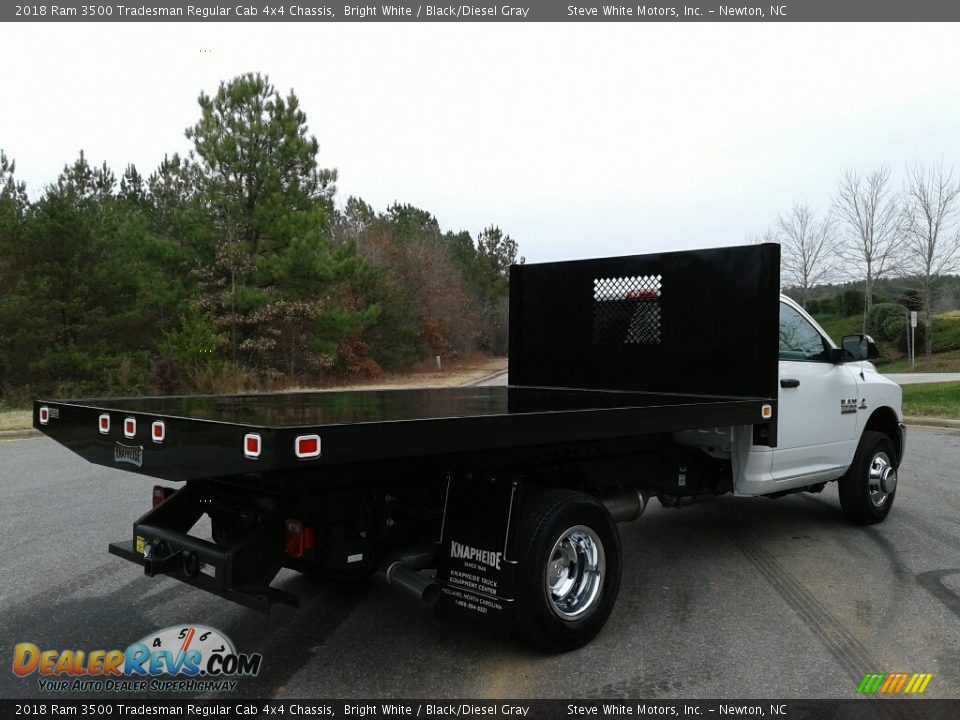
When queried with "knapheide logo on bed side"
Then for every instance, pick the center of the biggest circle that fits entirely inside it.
(484, 557)
(132, 454)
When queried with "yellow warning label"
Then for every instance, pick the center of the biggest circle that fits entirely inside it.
(140, 543)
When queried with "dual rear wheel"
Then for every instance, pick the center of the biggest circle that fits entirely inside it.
(569, 548)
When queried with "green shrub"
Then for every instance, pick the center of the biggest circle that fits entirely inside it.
(887, 322)
(851, 302)
(827, 306)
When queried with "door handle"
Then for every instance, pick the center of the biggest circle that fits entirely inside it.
(789, 383)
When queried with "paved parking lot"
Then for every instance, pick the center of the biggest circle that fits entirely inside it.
(729, 598)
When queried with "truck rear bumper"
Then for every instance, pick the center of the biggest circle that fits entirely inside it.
(241, 573)
(260, 601)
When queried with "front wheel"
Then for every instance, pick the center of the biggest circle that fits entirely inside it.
(869, 486)
(569, 565)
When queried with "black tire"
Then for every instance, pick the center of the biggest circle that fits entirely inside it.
(570, 620)
(866, 495)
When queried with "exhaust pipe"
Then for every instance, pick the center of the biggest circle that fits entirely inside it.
(413, 582)
(625, 505)
(402, 572)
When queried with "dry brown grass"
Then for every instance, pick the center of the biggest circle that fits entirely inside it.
(16, 419)
(454, 373)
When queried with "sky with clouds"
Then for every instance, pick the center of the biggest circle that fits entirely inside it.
(577, 139)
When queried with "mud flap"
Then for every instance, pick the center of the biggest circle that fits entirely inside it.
(476, 571)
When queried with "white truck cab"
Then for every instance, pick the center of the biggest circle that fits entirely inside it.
(838, 419)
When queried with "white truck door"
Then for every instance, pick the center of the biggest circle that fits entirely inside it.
(817, 412)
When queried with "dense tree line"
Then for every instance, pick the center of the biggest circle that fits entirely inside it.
(231, 268)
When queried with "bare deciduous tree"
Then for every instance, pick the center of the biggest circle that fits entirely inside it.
(933, 237)
(872, 237)
(806, 248)
(767, 236)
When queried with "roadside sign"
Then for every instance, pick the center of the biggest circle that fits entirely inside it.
(913, 318)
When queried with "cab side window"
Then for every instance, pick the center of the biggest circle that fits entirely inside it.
(799, 340)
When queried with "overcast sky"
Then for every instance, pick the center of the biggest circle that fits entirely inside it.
(578, 140)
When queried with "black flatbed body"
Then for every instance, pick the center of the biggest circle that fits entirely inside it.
(608, 358)
(204, 435)
(599, 350)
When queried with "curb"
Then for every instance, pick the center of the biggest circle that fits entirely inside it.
(486, 378)
(19, 434)
(932, 422)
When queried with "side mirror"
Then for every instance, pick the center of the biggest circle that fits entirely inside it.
(859, 347)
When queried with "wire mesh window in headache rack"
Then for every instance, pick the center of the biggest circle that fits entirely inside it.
(626, 310)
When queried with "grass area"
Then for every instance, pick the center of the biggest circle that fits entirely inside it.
(942, 362)
(946, 331)
(932, 400)
(837, 327)
(946, 342)
(16, 419)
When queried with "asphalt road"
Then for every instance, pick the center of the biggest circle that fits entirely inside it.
(915, 378)
(899, 378)
(730, 598)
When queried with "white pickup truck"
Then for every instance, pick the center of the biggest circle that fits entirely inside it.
(838, 419)
(500, 504)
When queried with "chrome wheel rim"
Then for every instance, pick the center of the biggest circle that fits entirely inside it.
(882, 479)
(574, 573)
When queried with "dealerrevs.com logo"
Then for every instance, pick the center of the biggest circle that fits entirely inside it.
(191, 658)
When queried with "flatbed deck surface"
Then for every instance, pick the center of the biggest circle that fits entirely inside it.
(205, 435)
(313, 409)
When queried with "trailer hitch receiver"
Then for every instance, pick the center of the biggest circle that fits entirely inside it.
(242, 572)
(157, 557)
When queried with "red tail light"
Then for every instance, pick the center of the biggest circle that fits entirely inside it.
(252, 445)
(44, 415)
(297, 538)
(158, 431)
(104, 424)
(161, 493)
(307, 446)
(130, 427)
